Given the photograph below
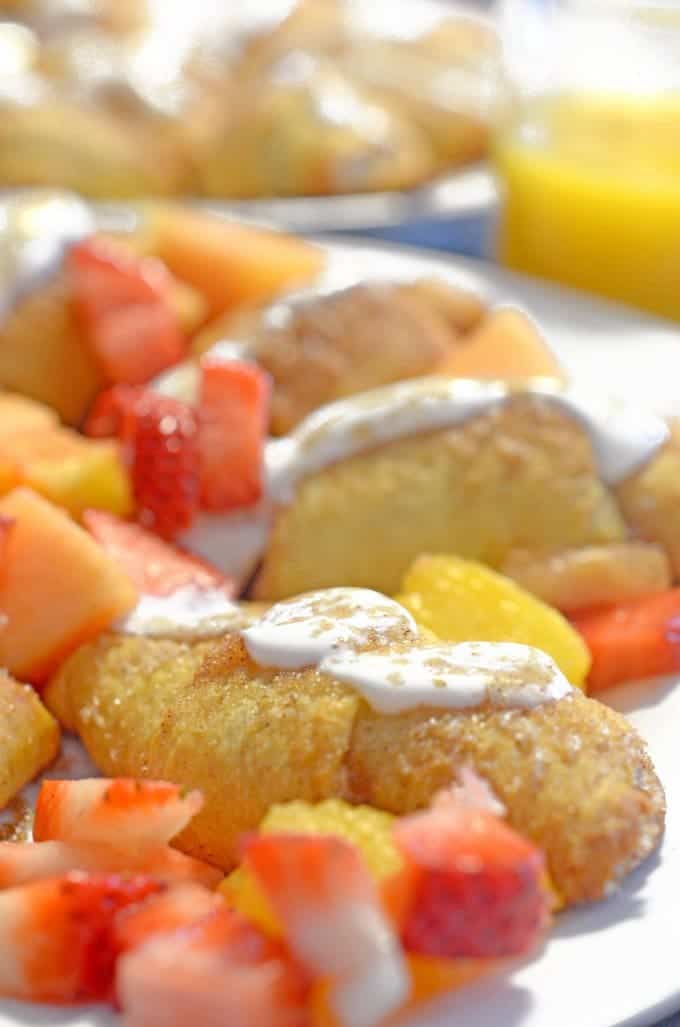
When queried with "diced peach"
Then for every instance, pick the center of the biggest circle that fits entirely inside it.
(229, 264)
(58, 587)
(70, 470)
(506, 344)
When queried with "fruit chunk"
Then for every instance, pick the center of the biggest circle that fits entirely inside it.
(219, 972)
(18, 414)
(121, 811)
(229, 264)
(57, 935)
(155, 567)
(505, 344)
(578, 579)
(42, 353)
(69, 470)
(29, 736)
(321, 890)
(460, 600)
(58, 588)
(233, 415)
(632, 640)
(122, 306)
(477, 886)
(159, 436)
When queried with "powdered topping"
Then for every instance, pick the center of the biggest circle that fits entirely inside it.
(188, 613)
(301, 632)
(623, 438)
(502, 674)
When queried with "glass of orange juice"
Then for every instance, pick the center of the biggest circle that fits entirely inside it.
(588, 149)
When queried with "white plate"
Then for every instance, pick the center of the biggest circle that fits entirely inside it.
(614, 964)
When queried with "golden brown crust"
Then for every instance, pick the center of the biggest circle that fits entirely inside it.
(29, 736)
(650, 500)
(523, 476)
(574, 775)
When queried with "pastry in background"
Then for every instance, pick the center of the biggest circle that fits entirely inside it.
(29, 737)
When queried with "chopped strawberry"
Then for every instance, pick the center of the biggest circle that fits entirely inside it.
(164, 912)
(124, 309)
(636, 639)
(323, 894)
(159, 436)
(218, 972)
(477, 886)
(56, 936)
(233, 416)
(120, 811)
(156, 567)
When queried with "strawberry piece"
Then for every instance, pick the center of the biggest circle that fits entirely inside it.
(159, 436)
(165, 464)
(219, 972)
(56, 936)
(164, 912)
(124, 309)
(156, 567)
(120, 811)
(233, 418)
(322, 892)
(477, 886)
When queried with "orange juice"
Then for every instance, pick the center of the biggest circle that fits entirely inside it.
(591, 190)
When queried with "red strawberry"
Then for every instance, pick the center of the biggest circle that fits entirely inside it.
(233, 418)
(123, 308)
(218, 972)
(156, 567)
(57, 935)
(159, 435)
(177, 907)
(325, 897)
(478, 887)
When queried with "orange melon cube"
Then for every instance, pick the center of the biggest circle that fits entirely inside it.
(506, 344)
(68, 469)
(58, 587)
(18, 413)
(229, 264)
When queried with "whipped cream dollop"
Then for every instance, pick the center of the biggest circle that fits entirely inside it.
(371, 643)
(623, 437)
(189, 613)
(502, 674)
(300, 632)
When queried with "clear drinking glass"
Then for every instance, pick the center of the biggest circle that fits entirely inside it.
(588, 149)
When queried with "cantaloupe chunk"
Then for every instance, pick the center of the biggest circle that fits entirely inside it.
(58, 587)
(29, 736)
(229, 264)
(17, 413)
(506, 344)
(68, 469)
(43, 356)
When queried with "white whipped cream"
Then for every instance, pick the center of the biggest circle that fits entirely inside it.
(624, 438)
(503, 674)
(187, 613)
(300, 632)
(233, 542)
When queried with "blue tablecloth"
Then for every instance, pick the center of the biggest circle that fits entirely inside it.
(471, 237)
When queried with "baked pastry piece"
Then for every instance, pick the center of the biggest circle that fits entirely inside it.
(29, 737)
(321, 348)
(478, 469)
(336, 694)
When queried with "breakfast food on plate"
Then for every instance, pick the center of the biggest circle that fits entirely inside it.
(308, 98)
(338, 694)
(29, 737)
(437, 465)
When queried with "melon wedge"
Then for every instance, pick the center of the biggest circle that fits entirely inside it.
(506, 344)
(58, 588)
(229, 264)
(18, 413)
